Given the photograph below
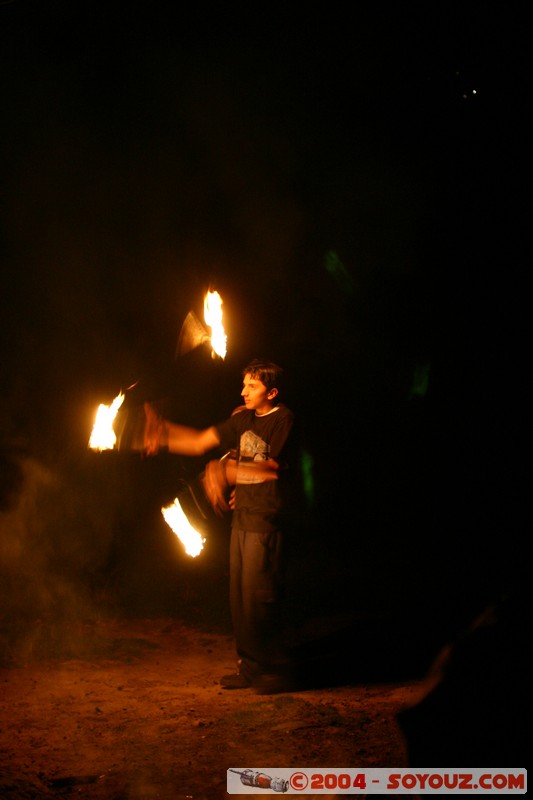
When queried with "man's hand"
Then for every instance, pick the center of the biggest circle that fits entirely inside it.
(216, 485)
(154, 431)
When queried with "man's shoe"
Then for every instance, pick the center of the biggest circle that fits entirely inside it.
(237, 681)
(273, 683)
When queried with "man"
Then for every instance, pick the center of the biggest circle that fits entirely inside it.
(257, 437)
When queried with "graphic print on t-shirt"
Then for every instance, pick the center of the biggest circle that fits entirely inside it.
(252, 450)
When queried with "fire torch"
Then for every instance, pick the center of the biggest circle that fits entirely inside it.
(262, 781)
(122, 429)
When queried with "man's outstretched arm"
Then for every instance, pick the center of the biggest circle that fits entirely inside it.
(181, 439)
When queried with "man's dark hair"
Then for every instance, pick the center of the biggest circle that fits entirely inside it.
(265, 371)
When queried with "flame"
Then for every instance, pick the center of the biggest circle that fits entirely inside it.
(189, 537)
(102, 435)
(213, 318)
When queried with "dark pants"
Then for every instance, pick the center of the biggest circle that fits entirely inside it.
(256, 586)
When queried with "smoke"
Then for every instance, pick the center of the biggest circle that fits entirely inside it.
(57, 530)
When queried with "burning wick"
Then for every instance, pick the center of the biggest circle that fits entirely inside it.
(189, 537)
(103, 436)
(213, 318)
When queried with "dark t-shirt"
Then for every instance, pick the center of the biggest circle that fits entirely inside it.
(259, 506)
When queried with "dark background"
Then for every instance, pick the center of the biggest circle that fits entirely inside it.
(352, 183)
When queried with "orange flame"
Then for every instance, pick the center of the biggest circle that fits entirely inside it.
(103, 436)
(177, 521)
(213, 318)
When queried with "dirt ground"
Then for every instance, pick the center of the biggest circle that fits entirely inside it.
(133, 708)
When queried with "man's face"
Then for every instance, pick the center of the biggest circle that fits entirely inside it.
(256, 395)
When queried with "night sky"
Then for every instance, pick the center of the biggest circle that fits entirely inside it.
(351, 183)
